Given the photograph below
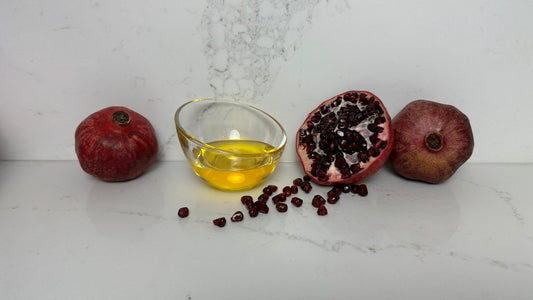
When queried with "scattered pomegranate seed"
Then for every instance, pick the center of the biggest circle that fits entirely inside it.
(262, 207)
(362, 190)
(274, 188)
(307, 178)
(318, 201)
(246, 199)
(267, 190)
(306, 187)
(287, 190)
(281, 207)
(345, 188)
(249, 205)
(263, 197)
(298, 181)
(183, 212)
(253, 212)
(237, 216)
(322, 210)
(297, 201)
(333, 199)
(220, 222)
(294, 189)
(333, 192)
(279, 198)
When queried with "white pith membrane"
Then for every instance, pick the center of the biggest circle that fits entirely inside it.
(365, 117)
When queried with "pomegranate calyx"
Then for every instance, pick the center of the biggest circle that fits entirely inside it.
(121, 118)
(434, 141)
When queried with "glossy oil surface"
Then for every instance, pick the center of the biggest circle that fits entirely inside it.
(242, 164)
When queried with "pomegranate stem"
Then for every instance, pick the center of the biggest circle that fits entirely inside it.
(121, 118)
(433, 141)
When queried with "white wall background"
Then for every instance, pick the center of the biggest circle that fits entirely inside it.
(61, 60)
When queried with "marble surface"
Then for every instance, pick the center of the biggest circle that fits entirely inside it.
(65, 235)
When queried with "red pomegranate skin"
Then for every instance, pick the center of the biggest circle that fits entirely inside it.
(413, 158)
(115, 144)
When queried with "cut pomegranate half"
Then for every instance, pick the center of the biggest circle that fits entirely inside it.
(345, 139)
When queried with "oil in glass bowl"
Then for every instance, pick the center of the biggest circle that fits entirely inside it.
(236, 164)
(231, 145)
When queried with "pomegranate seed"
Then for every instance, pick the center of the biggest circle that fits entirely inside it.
(353, 188)
(281, 207)
(287, 190)
(333, 192)
(268, 190)
(307, 178)
(274, 188)
(297, 201)
(183, 212)
(262, 207)
(220, 222)
(298, 181)
(253, 212)
(322, 210)
(294, 189)
(279, 198)
(342, 188)
(237, 216)
(333, 199)
(306, 187)
(250, 205)
(362, 190)
(263, 197)
(246, 199)
(318, 201)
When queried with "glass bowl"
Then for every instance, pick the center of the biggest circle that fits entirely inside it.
(232, 146)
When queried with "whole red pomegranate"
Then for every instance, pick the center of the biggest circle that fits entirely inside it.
(345, 139)
(431, 141)
(115, 144)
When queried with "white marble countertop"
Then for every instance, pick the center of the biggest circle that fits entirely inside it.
(65, 235)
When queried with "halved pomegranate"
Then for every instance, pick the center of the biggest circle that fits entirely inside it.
(345, 139)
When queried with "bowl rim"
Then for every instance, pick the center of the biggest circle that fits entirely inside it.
(280, 146)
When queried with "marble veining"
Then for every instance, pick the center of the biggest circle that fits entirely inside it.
(506, 197)
(74, 227)
(247, 42)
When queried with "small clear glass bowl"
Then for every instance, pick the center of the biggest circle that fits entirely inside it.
(232, 146)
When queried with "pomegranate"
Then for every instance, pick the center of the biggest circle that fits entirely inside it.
(432, 140)
(345, 139)
(115, 144)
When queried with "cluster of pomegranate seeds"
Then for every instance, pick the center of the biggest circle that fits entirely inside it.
(183, 212)
(261, 204)
(359, 189)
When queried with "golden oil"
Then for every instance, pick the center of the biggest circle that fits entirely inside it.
(236, 164)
